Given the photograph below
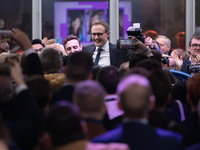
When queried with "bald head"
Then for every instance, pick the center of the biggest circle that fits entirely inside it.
(135, 94)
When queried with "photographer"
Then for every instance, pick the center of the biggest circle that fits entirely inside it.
(136, 41)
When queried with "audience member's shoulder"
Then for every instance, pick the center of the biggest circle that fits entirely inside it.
(194, 147)
(88, 46)
(110, 136)
(168, 134)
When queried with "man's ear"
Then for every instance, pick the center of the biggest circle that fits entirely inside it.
(81, 47)
(188, 48)
(108, 34)
(169, 47)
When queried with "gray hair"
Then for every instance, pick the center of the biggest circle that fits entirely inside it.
(165, 37)
(51, 60)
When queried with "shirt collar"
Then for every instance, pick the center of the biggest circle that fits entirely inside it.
(141, 120)
(105, 47)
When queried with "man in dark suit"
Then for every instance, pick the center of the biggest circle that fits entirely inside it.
(135, 97)
(102, 51)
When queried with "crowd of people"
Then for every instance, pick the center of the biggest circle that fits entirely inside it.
(65, 96)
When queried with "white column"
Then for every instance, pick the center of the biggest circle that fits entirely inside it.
(114, 20)
(189, 21)
(36, 19)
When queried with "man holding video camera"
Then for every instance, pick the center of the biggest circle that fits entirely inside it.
(102, 51)
(194, 59)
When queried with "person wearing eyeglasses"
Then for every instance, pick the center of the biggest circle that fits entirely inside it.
(102, 51)
(194, 49)
(37, 45)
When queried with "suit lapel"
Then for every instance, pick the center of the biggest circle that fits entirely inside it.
(91, 49)
(113, 54)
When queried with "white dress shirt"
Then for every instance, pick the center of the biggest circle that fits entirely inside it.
(104, 59)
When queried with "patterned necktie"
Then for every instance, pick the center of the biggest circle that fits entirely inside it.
(98, 56)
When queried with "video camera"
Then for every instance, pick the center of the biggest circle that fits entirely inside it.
(135, 31)
(193, 68)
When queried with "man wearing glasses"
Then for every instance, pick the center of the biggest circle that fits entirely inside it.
(194, 49)
(37, 45)
(102, 51)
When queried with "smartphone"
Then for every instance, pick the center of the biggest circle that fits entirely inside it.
(125, 44)
(5, 35)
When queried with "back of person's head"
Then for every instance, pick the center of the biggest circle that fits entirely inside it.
(79, 66)
(139, 71)
(161, 86)
(95, 71)
(109, 78)
(179, 91)
(149, 64)
(151, 33)
(6, 87)
(63, 123)
(134, 58)
(51, 41)
(124, 69)
(157, 55)
(193, 88)
(89, 97)
(23, 63)
(103, 23)
(135, 94)
(51, 60)
(40, 88)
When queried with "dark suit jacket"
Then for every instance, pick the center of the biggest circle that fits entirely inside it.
(117, 57)
(194, 147)
(65, 93)
(193, 125)
(141, 137)
(184, 66)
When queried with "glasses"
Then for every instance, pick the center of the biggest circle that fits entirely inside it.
(98, 34)
(195, 46)
(38, 50)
